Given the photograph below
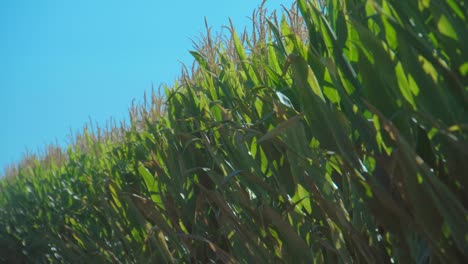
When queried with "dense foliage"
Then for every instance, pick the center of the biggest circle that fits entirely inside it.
(334, 134)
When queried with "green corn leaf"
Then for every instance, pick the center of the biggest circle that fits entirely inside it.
(291, 122)
(249, 70)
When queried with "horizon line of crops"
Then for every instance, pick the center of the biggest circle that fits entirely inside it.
(336, 133)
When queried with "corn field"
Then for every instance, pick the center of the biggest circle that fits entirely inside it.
(331, 132)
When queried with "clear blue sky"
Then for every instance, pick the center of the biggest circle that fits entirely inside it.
(64, 61)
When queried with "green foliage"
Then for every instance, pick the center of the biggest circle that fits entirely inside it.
(335, 135)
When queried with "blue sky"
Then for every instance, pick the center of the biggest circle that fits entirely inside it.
(65, 61)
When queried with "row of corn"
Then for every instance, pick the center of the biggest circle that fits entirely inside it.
(334, 133)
